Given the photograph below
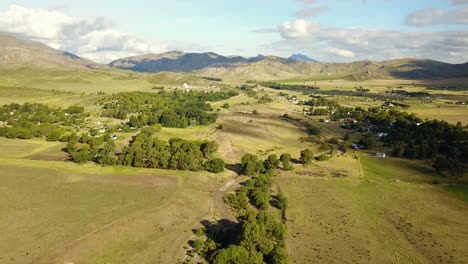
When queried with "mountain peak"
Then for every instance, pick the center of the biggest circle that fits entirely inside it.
(301, 57)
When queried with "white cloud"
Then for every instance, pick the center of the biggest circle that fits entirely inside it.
(341, 52)
(96, 38)
(346, 44)
(298, 29)
(434, 16)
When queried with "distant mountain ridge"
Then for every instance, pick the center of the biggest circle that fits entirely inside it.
(16, 51)
(296, 66)
(178, 61)
(301, 57)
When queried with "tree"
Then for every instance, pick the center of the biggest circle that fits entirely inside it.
(237, 255)
(261, 199)
(209, 148)
(226, 106)
(285, 159)
(249, 164)
(215, 165)
(198, 244)
(279, 256)
(271, 162)
(347, 136)
(398, 149)
(307, 156)
(282, 201)
(368, 140)
(456, 168)
(441, 164)
(313, 130)
(255, 112)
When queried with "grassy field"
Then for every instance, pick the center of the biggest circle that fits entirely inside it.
(347, 220)
(61, 212)
(350, 209)
(460, 191)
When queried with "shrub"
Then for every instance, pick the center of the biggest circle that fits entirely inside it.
(215, 165)
(307, 156)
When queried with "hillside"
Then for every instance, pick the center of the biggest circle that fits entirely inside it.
(297, 66)
(301, 57)
(20, 52)
(272, 68)
(177, 61)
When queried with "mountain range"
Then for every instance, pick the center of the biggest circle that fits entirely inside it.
(19, 52)
(301, 57)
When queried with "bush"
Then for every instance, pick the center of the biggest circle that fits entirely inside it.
(285, 159)
(215, 165)
(307, 156)
(323, 157)
(313, 130)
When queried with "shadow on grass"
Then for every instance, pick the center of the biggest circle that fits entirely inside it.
(234, 168)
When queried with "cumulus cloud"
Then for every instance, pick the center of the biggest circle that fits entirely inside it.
(346, 44)
(95, 38)
(310, 11)
(298, 29)
(434, 16)
(341, 52)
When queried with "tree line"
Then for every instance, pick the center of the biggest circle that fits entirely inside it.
(177, 109)
(38, 120)
(147, 151)
(291, 87)
(258, 237)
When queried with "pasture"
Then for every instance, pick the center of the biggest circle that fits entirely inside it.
(61, 212)
(394, 222)
(348, 209)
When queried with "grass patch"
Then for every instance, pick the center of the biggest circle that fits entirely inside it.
(375, 168)
(460, 191)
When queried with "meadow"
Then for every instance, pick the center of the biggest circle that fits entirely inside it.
(353, 208)
(406, 221)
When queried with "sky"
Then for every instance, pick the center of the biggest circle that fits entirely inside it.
(325, 30)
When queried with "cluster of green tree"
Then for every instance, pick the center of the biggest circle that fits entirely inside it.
(38, 120)
(248, 88)
(406, 93)
(86, 147)
(411, 137)
(170, 109)
(321, 101)
(178, 154)
(291, 87)
(252, 165)
(146, 151)
(213, 79)
(319, 112)
(362, 89)
(258, 237)
(313, 130)
(445, 143)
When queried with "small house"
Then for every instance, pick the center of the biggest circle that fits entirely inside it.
(380, 155)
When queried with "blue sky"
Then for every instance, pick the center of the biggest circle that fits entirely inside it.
(339, 30)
